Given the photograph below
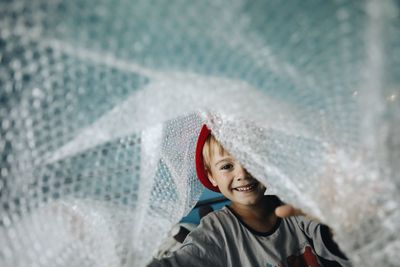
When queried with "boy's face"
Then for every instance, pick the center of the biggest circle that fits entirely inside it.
(234, 182)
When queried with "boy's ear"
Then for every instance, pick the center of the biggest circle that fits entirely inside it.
(211, 179)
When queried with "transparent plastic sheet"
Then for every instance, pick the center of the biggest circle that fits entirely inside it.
(101, 103)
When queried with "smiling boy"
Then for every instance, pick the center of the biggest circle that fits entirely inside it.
(255, 229)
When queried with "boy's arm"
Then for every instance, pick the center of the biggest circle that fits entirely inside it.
(187, 255)
(202, 247)
(320, 235)
(321, 239)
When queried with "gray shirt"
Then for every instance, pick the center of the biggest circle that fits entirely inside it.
(222, 239)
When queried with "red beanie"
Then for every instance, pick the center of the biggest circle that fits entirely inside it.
(200, 170)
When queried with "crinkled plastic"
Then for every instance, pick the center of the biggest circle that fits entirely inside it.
(102, 102)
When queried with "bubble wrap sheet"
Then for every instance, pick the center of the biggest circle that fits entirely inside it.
(102, 101)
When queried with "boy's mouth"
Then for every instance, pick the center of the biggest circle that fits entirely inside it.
(246, 188)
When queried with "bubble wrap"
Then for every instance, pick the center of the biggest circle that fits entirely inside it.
(102, 102)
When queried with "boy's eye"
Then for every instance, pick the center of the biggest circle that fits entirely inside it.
(226, 166)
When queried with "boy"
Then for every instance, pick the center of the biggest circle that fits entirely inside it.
(255, 230)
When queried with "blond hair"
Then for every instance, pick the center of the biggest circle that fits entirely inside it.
(209, 149)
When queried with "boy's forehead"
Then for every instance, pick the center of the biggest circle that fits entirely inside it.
(217, 154)
(217, 149)
(222, 159)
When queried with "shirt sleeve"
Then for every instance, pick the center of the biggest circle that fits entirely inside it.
(202, 247)
(321, 239)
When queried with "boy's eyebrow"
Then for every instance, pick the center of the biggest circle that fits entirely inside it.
(224, 159)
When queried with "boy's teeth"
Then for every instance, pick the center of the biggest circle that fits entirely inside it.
(245, 188)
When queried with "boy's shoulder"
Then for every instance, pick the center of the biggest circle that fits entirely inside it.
(218, 221)
(213, 227)
(216, 215)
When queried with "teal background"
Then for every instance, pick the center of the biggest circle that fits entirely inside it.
(193, 216)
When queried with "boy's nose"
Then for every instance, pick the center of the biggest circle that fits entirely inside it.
(242, 174)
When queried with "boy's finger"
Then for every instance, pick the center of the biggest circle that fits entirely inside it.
(287, 211)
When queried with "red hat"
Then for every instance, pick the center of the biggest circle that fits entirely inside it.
(200, 170)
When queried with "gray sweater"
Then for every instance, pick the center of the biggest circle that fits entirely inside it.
(222, 239)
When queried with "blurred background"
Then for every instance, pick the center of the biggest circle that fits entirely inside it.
(97, 97)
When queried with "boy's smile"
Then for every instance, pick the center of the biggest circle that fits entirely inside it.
(246, 188)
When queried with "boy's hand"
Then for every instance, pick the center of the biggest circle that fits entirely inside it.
(286, 210)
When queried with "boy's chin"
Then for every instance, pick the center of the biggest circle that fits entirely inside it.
(247, 202)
